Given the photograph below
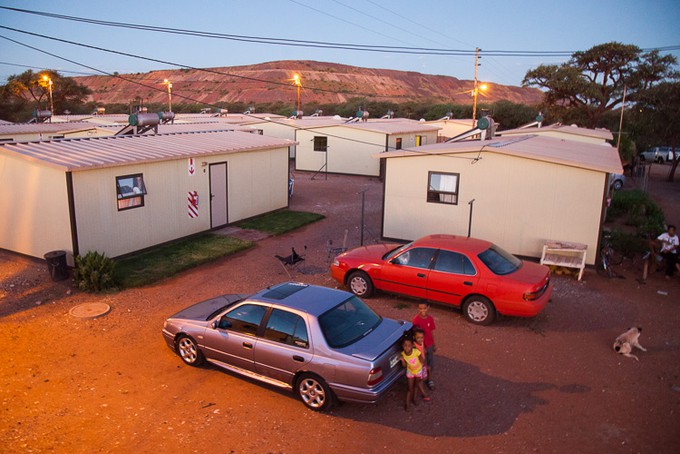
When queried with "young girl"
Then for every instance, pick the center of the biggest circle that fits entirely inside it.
(412, 360)
(419, 343)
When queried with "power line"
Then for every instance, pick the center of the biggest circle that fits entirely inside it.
(151, 87)
(38, 67)
(390, 24)
(325, 13)
(211, 71)
(316, 44)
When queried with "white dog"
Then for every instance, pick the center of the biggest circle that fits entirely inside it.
(625, 342)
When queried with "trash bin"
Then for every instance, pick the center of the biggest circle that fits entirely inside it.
(56, 264)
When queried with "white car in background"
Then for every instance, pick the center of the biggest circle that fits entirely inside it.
(658, 154)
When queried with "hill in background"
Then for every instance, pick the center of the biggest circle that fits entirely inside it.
(323, 83)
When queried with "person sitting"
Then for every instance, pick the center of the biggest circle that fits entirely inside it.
(670, 243)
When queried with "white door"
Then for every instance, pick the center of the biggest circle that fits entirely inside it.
(218, 195)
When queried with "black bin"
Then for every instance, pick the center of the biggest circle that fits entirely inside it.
(56, 264)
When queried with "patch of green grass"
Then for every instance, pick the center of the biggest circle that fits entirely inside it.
(164, 261)
(280, 222)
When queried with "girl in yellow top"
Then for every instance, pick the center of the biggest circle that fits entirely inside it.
(412, 360)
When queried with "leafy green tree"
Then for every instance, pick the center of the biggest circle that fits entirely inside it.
(656, 117)
(25, 92)
(592, 82)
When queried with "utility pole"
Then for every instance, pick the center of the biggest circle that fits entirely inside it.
(623, 105)
(475, 89)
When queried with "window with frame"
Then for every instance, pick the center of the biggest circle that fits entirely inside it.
(443, 187)
(130, 190)
(454, 262)
(398, 144)
(244, 319)
(417, 257)
(320, 143)
(287, 328)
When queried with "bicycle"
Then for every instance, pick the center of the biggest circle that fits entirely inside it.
(609, 257)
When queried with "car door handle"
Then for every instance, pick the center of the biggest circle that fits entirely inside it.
(420, 275)
(247, 345)
(467, 283)
(298, 358)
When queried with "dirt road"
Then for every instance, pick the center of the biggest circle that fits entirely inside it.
(548, 384)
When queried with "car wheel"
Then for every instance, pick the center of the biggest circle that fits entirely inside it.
(360, 284)
(189, 351)
(479, 310)
(659, 160)
(314, 392)
(642, 158)
(618, 185)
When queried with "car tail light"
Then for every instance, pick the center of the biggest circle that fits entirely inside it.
(375, 376)
(536, 294)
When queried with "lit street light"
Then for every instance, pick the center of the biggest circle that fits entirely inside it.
(169, 84)
(49, 83)
(475, 92)
(298, 84)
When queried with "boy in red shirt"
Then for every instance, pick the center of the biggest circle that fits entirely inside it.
(426, 323)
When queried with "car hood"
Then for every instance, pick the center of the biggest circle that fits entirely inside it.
(201, 311)
(377, 341)
(371, 252)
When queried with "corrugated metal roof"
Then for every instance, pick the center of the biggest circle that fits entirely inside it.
(100, 152)
(187, 127)
(393, 127)
(603, 134)
(603, 158)
(45, 128)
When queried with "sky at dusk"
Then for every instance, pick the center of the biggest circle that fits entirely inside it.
(490, 25)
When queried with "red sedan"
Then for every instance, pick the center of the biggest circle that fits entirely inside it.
(473, 274)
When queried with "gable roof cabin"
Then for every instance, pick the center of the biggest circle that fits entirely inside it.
(27, 132)
(121, 194)
(347, 148)
(285, 128)
(566, 132)
(525, 190)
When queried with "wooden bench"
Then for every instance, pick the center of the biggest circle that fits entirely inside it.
(565, 253)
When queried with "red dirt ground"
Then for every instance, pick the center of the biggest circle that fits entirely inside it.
(548, 384)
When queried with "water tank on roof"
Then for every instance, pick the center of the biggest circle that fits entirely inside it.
(166, 116)
(42, 114)
(143, 119)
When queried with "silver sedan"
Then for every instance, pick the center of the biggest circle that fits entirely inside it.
(320, 343)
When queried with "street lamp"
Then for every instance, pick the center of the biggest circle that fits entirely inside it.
(169, 84)
(475, 92)
(298, 84)
(49, 83)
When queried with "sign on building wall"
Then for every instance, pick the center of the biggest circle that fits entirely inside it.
(191, 167)
(192, 204)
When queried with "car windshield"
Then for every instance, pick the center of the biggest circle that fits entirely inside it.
(396, 251)
(499, 261)
(348, 322)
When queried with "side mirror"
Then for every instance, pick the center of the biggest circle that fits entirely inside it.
(223, 323)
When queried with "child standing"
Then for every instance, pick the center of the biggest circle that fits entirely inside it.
(411, 359)
(419, 343)
(426, 323)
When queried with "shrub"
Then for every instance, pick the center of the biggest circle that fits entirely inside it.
(94, 272)
(638, 210)
(628, 244)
